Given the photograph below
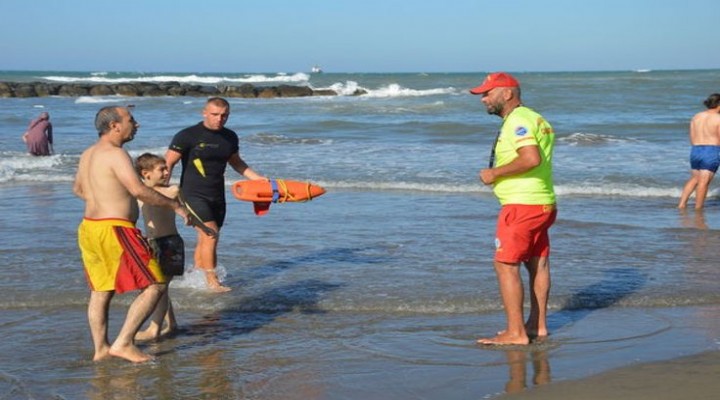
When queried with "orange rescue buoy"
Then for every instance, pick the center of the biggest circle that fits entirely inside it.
(262, 193)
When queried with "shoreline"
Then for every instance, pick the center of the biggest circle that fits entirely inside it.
(687, 377)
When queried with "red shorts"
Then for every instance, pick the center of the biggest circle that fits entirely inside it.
(522, 232)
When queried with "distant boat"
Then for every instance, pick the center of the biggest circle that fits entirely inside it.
(316, 69)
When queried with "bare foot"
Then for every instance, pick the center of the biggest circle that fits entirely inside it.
(531, 332)
(130, 353)
(102, 354)
(538, 334)
(146, 335)
(214, 283)
(504, 339)
(219, 288)
(169, 330)
(534, 332)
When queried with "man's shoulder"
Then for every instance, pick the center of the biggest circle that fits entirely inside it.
(186, 137)
(229, 132)
(104, 148)
(190, 129)
(524, 113)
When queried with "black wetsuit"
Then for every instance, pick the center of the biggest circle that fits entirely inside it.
(205, 154)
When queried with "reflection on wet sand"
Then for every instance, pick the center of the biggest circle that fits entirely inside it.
(215, 379)
(517, 361)
(111, 383)
(695, 219)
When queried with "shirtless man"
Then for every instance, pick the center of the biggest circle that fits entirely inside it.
(705, 152)
(115, 255)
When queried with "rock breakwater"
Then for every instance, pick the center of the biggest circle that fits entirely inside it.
(43, 89)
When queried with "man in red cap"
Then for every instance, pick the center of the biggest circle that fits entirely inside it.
(520, 171)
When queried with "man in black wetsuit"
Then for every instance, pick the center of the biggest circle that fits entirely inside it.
(205, 150)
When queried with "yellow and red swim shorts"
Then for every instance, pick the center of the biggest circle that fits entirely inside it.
(116, 256)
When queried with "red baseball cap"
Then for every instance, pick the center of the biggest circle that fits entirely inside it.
(495, 80)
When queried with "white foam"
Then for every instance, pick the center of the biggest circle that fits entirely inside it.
(192, 78)
(194, 278)
(21, 167)
(405, 186)
(395, 90)
(349, 88)
(584, 138)
(588, 189)
(344, 89)
(101, 99)
(617, 190)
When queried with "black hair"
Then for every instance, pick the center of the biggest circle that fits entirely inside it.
(713, 101)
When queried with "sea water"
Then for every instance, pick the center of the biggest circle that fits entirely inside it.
(327, 293)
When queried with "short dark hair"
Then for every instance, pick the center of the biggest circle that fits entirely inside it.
(147, 161)
(106, 116)
(218, 101)
(713, 101)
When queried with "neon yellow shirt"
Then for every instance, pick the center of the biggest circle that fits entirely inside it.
(524, 127)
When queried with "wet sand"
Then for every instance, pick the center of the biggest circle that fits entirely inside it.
(691, 377)
(301, 353)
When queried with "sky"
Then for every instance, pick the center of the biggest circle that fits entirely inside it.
(358, 35)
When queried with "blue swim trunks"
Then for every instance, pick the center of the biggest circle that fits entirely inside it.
(705, 157)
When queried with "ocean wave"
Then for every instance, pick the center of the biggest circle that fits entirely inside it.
(101, 99)
(12, 172)
(21, 167)
(273, 139)
(589, 139)
(405, 186)
(279, 301)
(616, 190)
(623, 292)
(350, 88)
(395, 90)
(189, 79)
(584, 189)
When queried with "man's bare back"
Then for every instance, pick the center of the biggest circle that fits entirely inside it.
(705, 128)
(102, 168)
(108, 182)
(704, 135)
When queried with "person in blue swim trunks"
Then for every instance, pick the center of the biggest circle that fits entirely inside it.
(704, 153)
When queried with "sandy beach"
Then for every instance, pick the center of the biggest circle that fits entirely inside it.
(692, 377)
